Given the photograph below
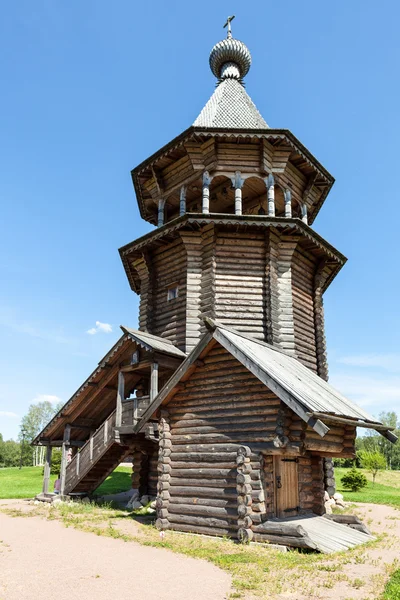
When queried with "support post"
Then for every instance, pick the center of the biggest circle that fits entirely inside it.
(304, 215)
(120, 398)
(47, 469)
(64, 455)
(182, 201)
(238, 182)
(91, 447)
(288, 203)
(270, 183)
(154, 381)
(206, 192)
(161, 212)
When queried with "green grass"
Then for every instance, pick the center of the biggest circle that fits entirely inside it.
(385, 491)
(392, 588)
(28, 481)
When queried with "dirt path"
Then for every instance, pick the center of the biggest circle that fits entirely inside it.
(44, 559)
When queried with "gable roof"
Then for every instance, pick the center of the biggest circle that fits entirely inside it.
(310, 397)
(152, 342)
(231, 107)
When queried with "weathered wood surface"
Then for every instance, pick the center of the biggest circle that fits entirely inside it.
(98, 445)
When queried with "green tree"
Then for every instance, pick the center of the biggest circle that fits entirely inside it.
(354, 480)
(9, 453)
(32, 423)
(373, 462)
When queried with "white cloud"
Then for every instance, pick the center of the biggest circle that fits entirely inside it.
(6, 413)
(387, 362)
(100, 328)
(46, 398)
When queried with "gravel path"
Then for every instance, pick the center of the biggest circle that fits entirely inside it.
(44, 559)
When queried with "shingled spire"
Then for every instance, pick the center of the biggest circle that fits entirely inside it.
(230, 105)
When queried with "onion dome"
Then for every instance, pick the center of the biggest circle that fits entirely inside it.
(230, 58)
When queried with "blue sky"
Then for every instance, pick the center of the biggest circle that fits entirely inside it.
(90, 89)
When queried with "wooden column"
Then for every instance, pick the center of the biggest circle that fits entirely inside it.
(319, 321)
(304, 215)
(143, 268)
(238, 182)
(164, 471)
(193, 246)
(64, 453)
(208, 272)
(153, 381)
(182, 201)
(161, 212)
(279, 301)
(120, 399)
(244, 494)
(270, 183)
(206, 192)
(47, 469)
(288, 203)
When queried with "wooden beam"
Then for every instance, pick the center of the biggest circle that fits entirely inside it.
(143, 364)
(120, 398)
(47, 469)
(64, 455)
(356, 423)
(153, 381)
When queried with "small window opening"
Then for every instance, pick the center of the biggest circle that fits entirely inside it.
(172, 293)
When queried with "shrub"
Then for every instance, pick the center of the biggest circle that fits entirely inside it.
(354, 480)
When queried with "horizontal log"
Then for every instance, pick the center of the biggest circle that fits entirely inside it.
(204, 474)
(203, 457)
(246, 437)
(225, 502)
(235, 426)
(212, 531)
(228, 492)
(277, 528)
(229, 514)
(198, 521)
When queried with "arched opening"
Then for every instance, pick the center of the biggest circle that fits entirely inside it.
(222, 195)
(279, 201)
(254, 194)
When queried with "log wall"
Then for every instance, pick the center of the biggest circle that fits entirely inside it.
(240, 281)
(259, 282)
(169, 269)
(221, 407)
(303, 272)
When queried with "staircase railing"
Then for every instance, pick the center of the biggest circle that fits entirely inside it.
(90, 453)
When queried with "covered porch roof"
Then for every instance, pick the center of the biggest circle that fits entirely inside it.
(95, 399)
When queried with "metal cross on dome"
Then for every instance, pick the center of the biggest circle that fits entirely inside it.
(228, 25)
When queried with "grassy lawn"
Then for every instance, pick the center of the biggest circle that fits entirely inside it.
(385, 491)
(27, 482)
(392, 588)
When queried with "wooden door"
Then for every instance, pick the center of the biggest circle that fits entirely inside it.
(286, 486)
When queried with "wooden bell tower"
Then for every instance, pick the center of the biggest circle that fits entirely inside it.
(234, 201)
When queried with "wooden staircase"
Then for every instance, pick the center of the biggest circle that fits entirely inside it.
(101, 454)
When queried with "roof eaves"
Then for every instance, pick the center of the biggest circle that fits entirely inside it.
(101, 365)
